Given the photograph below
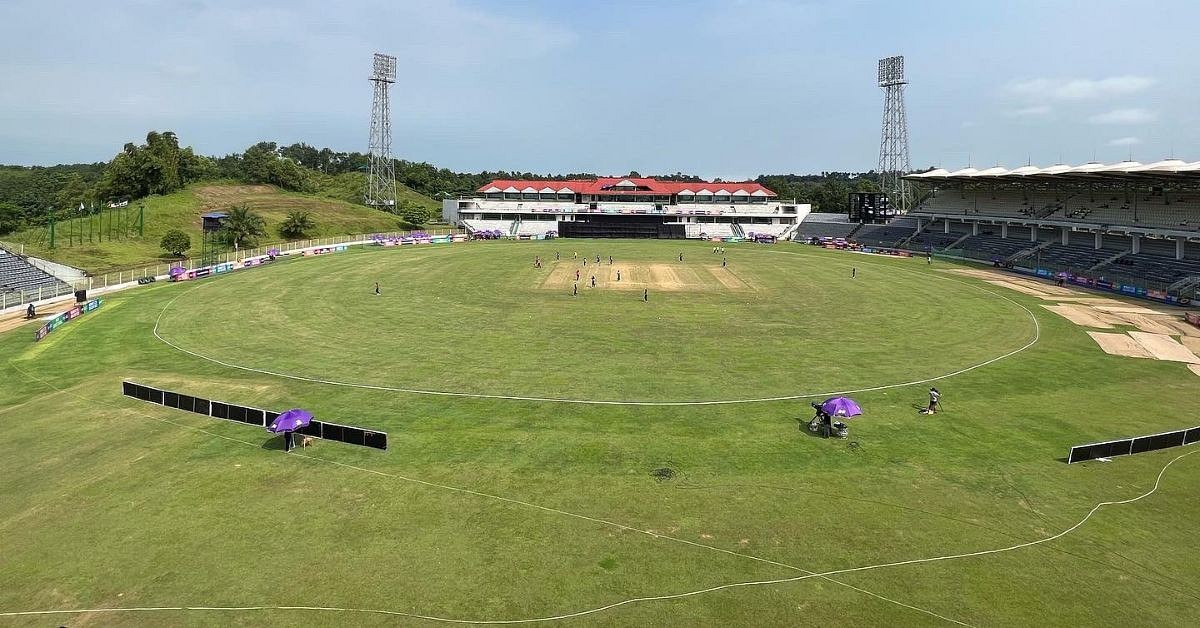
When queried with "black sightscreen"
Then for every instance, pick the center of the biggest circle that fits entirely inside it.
(1163, 441)
(1137, 445)
(263, 418)
(352, 435)
(332, 431)
(312, 429)
(378, 440)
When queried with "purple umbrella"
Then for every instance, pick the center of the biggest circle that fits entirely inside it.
(841, 406)
(290, 421)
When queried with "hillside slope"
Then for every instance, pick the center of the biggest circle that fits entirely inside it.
(182, 210)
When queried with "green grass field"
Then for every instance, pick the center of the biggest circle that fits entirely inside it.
(491, 509)
(182, 210)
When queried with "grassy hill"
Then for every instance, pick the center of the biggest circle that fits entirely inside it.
(181, 210)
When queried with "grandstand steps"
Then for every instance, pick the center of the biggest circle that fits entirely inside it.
(790, 232)
(1187, 284)
(904, 243)
(515, 228)
(957, 242)
(1022, 254)
(1110, 260)
(855, 230)
(738, 232)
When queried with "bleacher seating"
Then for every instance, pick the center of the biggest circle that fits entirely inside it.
(1075, 257)
(994, 246)
(886, 235)
(716, 229)
(1155, 268)
(933, 240)
(774, 230)
(824, 225)
(824, 230)
(503, 226)
(17, 275)
(536, 227)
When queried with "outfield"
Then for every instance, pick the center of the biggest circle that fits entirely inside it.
(490, 508)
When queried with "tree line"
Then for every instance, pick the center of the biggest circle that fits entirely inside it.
(161, 166)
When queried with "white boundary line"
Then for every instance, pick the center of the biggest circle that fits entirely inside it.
(808, 574)
(598, 609)
(510, 500)
(1037, 333)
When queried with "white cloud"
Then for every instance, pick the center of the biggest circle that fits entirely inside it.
(1030, 112)
(1123, 116)
(1124, 141)
(1080, 89)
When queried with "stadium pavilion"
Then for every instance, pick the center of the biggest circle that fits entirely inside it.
(626, 207)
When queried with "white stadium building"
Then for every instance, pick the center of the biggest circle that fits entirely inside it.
(626, 207)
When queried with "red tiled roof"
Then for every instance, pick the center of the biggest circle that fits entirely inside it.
(603, 185)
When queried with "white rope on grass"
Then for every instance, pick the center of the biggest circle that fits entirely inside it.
(1037, 333)
(467, 491)
(673, 596)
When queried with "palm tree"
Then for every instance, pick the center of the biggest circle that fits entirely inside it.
(297, 224)
(243, 226)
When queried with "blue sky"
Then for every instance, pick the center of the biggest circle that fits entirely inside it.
(718, 88)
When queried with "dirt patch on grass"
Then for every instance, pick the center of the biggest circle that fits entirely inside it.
(728, 279)
(1195, 368)
(220, 194)
(1019, 287)
(1164, 347)
(1183, 327)
(1083, 316)
(1191, 342)
(1151, 324)
(1119, 344)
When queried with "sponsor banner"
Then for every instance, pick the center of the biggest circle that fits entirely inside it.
(61, 319)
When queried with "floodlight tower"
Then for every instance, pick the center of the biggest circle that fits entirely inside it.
(893, 145)
(381, 182)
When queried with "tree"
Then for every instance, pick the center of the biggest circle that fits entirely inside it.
(176, 242)
(413, 213)
(296, 225)
(10, 218)
(242, 226)
(157, 167)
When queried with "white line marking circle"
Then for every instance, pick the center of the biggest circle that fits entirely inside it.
(1037, 333)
